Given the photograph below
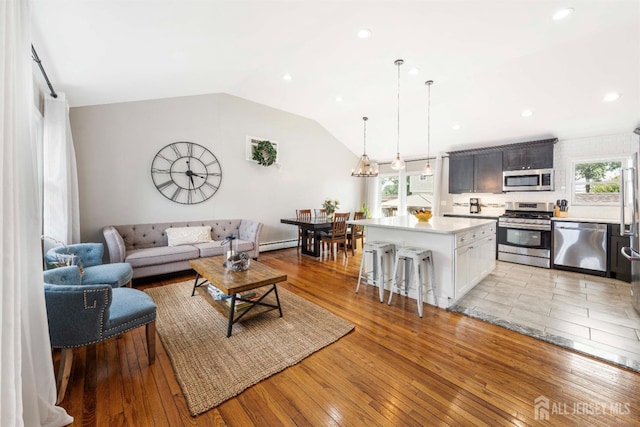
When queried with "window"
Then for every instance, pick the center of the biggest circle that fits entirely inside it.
(419, 193)
(389, 195)
(597, 182)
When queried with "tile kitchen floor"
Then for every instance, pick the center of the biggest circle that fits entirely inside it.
(591, 314)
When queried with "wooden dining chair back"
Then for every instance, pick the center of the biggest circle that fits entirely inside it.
(320, 213)
(356, 232)
(338, 234)
(303, 215)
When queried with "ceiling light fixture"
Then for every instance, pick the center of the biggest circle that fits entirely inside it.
(427, 171)
(413, 71)
(527, 113)
(456, 126)
(364, 33)
(338, 99)
(365, 168)
(611, 97)
(562, 13)
(398, 163)
(287, 77)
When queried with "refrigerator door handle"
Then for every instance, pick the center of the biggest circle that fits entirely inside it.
(631, 229)
(630, 254)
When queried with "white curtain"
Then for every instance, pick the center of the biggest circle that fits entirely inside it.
(61, 212)
(28, 389)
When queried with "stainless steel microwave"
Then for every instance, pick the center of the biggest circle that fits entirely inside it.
(528, 180)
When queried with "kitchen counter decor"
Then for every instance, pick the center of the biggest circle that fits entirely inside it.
(423, 215)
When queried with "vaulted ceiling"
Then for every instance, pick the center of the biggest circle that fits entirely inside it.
(490, 60)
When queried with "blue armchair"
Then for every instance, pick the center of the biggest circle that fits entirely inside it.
(81, 314)
(89, 257)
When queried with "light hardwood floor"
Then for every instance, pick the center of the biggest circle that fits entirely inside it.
(393, 369)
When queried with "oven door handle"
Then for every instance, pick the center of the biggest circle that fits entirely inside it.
(533, 227)
(630, 254)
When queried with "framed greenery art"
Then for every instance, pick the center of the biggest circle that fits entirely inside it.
(261, 151)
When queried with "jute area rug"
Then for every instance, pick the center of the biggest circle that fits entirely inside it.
(212, 368)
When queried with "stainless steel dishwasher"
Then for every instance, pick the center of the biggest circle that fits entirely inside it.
(580, 245)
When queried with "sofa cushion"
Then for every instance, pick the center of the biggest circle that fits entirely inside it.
(161, 255)
(214, 247)
(187, 235)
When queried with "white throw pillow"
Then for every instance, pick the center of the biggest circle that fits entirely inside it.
(188, 235)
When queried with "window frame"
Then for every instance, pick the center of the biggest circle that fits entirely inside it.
(624, 160)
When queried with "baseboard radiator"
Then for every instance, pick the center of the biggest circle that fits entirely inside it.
(280, 244)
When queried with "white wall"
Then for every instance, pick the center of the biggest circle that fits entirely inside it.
(565, 151)
(116, 143)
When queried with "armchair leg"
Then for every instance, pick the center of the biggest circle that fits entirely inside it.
(64, 371)
(151, 341)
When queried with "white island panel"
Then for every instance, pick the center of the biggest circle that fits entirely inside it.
(448, 238)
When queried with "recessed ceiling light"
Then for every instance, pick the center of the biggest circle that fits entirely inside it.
(611, 97)
(562, 13)
(527, 113)
(456, 126)
(287, 77)
(364, 33)
(338, 99)
(413, 71)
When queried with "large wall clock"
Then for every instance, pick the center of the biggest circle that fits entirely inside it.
(186, 173)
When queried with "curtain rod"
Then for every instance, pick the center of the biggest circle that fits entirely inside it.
(35, 57)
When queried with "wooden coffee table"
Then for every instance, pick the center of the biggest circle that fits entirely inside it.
(232, 282)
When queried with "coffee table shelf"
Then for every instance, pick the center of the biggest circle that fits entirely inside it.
(211, 270)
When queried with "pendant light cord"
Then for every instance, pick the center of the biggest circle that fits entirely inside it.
(365, 134)
(428, 83)
(428, 121)
(399, 62)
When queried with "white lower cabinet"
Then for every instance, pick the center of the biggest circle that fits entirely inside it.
(475, 258)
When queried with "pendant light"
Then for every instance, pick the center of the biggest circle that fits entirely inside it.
(365, 168)
(398, 163)
(427, 171)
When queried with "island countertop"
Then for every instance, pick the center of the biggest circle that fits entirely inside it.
(437, 224)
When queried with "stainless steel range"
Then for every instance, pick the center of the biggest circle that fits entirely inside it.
(524, 233)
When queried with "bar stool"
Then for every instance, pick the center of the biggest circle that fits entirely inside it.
(380, 252)
(415, 260)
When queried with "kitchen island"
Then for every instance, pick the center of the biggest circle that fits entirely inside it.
(464, 249)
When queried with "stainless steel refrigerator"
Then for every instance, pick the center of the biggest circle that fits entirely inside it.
(629, 224)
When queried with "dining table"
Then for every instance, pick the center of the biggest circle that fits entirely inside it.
(310, 229)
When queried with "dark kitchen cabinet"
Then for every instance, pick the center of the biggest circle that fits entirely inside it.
(461, 174)
(476, 173)
(487, 172)
(619, 266)
(528, 156)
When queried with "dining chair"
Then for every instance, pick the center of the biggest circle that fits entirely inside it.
(320, 213)
(303, 215)
(356, 232)
(338, 234)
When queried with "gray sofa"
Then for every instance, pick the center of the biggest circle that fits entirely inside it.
(146, 246)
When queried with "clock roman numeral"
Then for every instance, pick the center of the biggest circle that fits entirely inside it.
(213, 187)
(176, 193)
(190, 149)
(164, 185)
(165, 158)
(176, 150)
(213, 162)
(156, 170)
